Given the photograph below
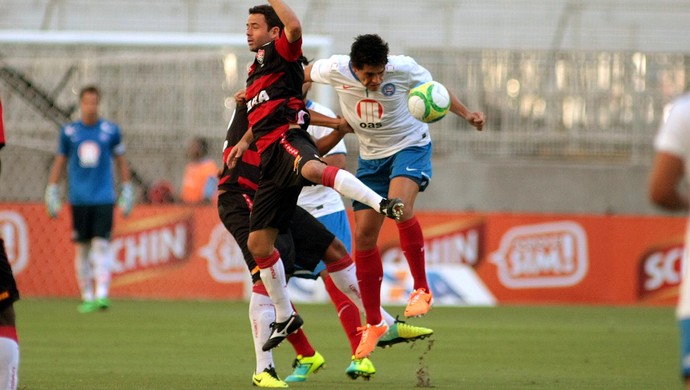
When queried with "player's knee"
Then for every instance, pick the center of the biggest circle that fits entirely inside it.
(312, 170)
(259, 249)
(365, 240)
(335, 251)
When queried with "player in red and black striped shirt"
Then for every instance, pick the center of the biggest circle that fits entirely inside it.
(288, 157)
(9, 343)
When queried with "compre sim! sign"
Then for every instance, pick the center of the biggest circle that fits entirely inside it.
(552, 254)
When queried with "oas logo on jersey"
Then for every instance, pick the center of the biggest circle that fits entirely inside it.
(388, 89)
(260, 56)
(370, 113)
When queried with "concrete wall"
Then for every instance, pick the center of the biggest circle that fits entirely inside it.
(519, 186)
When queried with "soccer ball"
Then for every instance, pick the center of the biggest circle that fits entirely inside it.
(428, 102)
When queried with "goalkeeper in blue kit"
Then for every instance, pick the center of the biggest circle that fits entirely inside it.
(88, 148)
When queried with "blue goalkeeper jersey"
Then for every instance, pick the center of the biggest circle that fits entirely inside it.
(90, 151)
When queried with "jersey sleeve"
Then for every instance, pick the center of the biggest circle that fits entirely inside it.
(290, 51)
(674, 135)
(118, 146)
(63, 141)
(322, 71)
(417, 73)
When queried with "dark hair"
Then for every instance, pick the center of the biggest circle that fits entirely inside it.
(272, 19)
(203, 146)
(368, 49)
(89, 89)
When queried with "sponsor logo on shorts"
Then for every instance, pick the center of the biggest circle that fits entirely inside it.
(15, 233)
(548, 255)
(660, 271)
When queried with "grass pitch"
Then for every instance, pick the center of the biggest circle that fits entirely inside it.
(207, 345)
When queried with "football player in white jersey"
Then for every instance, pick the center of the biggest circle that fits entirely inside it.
(394, 160)
(327, 206)
(671, 166)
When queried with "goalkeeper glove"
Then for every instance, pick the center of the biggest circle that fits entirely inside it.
(52, 199)
(126, 200)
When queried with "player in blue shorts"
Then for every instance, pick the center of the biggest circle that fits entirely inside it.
(327, 206)
(88, 148)
(394, 160)
(9, 343)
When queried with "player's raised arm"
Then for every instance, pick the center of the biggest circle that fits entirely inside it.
(293, 27)
(476, 119)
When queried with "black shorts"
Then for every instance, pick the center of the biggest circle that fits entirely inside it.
(280, 181)
(8, 286)
(92, 221)
(234, 212)
(304, 243)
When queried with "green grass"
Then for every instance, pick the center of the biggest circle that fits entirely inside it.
(207, 345)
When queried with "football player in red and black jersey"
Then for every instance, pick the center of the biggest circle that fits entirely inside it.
(288, 158)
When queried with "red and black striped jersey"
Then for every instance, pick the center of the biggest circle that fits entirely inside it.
(274, 90)
(244, 177)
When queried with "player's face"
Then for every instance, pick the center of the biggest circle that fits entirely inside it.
(88, 105)
(258, 33)
(371, 76)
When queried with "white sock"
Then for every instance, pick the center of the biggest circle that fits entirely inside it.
(350, 186)
(84, 269)
(9, 363)
(273, 278)
(261, 314)
(102, 262)
(387, 318)
(346, 281)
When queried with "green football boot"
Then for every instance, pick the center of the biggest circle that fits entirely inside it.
(401, 332)
(305, 366)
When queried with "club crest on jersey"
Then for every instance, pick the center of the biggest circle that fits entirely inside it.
(388, 89)
(260, 56)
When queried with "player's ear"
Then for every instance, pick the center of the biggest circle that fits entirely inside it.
(275, 32)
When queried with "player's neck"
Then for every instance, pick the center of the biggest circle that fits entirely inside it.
(89, 121)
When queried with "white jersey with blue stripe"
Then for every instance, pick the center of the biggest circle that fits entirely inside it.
(380, 119)
(89, 151)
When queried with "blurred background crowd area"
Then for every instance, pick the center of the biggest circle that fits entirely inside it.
(573, 91)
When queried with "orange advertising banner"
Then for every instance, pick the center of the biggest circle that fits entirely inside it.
(184, 252)
(173, 252)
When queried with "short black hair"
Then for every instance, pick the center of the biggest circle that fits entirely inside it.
(89, 89)
(203, 146)
(368, 49)
(272, 19)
